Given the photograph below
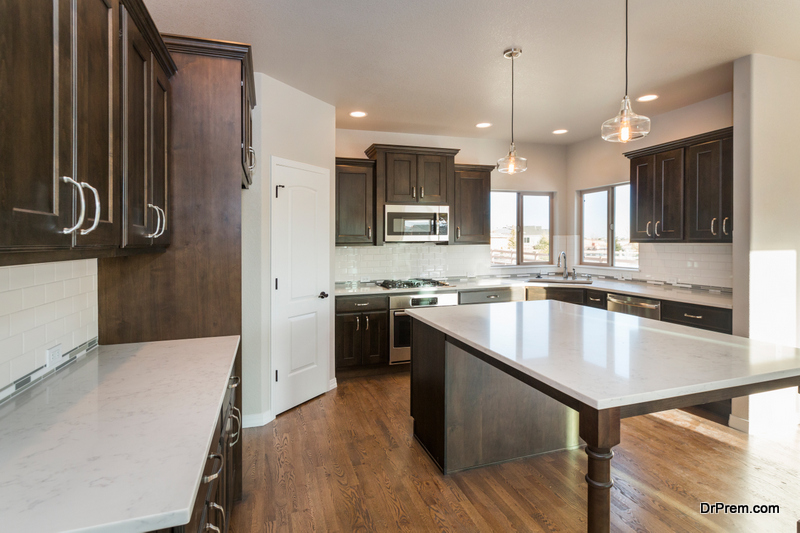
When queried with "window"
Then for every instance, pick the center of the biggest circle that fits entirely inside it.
(605, 218)
(521, 228)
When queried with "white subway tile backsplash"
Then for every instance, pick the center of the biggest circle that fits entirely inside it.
(41, 306)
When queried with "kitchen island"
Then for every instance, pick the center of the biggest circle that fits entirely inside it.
(119, 440)
(604, 366)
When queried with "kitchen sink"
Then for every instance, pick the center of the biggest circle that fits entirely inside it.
(570, 281)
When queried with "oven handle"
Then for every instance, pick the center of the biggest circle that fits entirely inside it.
(400, 313)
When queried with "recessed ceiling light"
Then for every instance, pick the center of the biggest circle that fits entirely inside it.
(358, 114)
(647, 98)
(559, 132)
(483, 125)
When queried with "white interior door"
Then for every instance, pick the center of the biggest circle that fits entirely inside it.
(301, 308)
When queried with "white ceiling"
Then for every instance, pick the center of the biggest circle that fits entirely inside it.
(436, 66)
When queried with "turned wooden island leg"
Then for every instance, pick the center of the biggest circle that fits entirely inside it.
(600, 430)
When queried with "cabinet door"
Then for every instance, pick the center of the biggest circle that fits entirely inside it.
(432, 179)
(35, 124)
(668, 216)
(139, 217)
(375, 338)
(727, 190)
(401, 177)
(642, 198)
(97, 143)
(348, 340)
(248, 154)
(472, 218)
(160, 143)
(355, 202)
(704, 183)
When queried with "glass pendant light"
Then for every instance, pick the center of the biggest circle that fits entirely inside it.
(626, 126)
(512, 163)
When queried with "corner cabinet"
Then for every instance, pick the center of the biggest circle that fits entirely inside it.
(355, 202)
(65, 133)
(472, 204)
(682, 191)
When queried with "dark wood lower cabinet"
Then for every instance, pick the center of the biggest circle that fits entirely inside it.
(362, 339)
(572, 296)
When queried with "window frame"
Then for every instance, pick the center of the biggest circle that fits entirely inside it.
(521, 228)
(610, 230)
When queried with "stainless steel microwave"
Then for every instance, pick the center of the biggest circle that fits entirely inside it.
(417, 223)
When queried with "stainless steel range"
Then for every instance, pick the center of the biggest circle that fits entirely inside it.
(400, 322)
(415, 283)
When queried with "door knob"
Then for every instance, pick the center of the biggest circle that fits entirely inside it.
(323, 295)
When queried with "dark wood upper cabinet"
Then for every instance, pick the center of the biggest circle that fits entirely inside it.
(643, 179)
(35, 125)
(682, 191)
(138, 212)
(432, 179)
(471, 208)
(98, 143)
(401, 177)
(709, 182)
(355, 201)
(668, 197)
(248, 103)
(160, 151)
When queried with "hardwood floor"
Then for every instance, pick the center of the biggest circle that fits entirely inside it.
(347, 461)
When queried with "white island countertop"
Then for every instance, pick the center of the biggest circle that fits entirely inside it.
(641, 289)
(115, 442)
(604, 359)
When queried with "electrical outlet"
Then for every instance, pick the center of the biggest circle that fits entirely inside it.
(54, 355)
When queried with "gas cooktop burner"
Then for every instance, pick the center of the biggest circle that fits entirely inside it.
(412, 283)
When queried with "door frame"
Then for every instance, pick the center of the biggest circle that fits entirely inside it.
(274, 163)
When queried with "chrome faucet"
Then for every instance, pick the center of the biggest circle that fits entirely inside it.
(564, 255)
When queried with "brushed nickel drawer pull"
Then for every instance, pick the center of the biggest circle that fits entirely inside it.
(211, 527)
(362, 305)
(493, 296)
(217, 507)
(698, 317)
(215, 475)
(594, 299)
(238, 426)
(235, 381)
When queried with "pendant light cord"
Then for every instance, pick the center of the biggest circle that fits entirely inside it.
(626, 48)
(512, 97)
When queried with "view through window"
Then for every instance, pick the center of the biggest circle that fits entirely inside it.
(605, 216)
(521, 228)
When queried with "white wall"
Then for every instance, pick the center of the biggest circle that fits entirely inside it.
(766, 241)
(290, 124)
(42, 306)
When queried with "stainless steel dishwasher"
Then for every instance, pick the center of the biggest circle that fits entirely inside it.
(629, 305)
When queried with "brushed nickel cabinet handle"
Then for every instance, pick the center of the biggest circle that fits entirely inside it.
(215, 475)
(369, 232)
(458, 232)
(724, 221)
(67, 179)
(235, 382)
(422, 192)
(698, 317)
(647, 229)
(211, 527)
(358, 323)
(163, 215)
(252, 166)
(238, 427)
(96, 208)
(713, 220)
(656, 229)
(413, 192)
(493, 296)
(367, 319)
(362, 305)
(594, 299)
(217, 507)
(158, 223)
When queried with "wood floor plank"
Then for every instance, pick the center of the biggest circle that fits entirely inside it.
(348, 461)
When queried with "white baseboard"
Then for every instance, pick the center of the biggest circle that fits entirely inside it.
(332, 384)
(739, 423)
(257, 420)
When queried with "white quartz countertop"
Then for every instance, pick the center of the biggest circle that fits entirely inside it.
(633, 288)
(117, 441)
(605, 359)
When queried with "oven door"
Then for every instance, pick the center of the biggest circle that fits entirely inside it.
(399, 337)
(416, 224)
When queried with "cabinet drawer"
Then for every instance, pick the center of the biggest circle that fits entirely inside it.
(361, 303)
(595, 299)
(698, 316)
(485, 297)
(573, 296)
